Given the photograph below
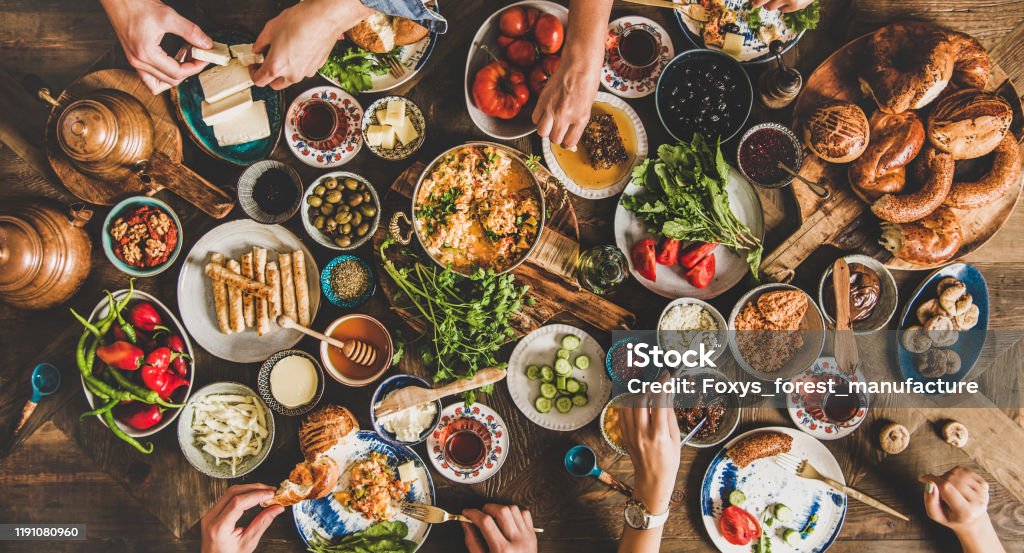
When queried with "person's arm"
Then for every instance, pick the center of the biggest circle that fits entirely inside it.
(220, 535)
(499, 529)
(958, 500)
(563, 108)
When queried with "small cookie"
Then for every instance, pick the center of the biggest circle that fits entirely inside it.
(955, 434)
(968, 319)
(950, 298)
(894, 438)
(941, 331)
(929, 309)
(916, 340)
(945, 283)
(928, 366)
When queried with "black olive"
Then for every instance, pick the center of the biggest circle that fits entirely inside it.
(731, 28)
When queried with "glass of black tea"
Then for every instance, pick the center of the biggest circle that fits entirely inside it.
(636, 52)
(320, 124)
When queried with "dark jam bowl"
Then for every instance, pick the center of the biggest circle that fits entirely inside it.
(249, 196)
(703, 91)
(762, 147)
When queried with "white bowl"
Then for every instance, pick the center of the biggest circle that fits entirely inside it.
(320, 237)
(201, 460)
(723, 330)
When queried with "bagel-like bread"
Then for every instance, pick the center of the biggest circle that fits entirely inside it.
(374, 34)
(972, 66)
(407, 31)
(997, 182)
(837, 132)
(933, 239)
(895, 141)
(934, 172)
(307, 481)
(969, 123)
(324, 428)
(909, 64)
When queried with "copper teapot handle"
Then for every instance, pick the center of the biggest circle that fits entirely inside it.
(79, 215)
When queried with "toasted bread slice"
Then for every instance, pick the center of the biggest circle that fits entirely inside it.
(324, 428)
(374, 34)
(407, 31)
(307, 481)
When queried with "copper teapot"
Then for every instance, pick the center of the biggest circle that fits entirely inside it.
(45, 254)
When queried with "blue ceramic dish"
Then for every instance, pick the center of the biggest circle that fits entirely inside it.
(188, 99)
(760, 54)
(648, 375)
(970, 342)
(328, 290)
(390, 385)
(124, 208)
(675, 68)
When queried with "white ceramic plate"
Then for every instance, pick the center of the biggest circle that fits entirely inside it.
(493, 458)
(730, 268)
(766, 484)
(204, 462)
(796, 404)
(636, 88)
(348, 108)
(598, 193)
(538, 348)
(505, 129)
(195, 295)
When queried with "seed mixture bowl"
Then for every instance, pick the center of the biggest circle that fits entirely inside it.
(342, 289)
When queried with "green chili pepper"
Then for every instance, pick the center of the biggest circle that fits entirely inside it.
(99, 410)
(127, 297)
(88, 326)
(128, 330)
(108, 418)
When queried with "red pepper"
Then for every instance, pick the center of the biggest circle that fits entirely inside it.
(173, 383)
(177, 345)
(668, 251)
(154, 378)
(695, 252)
(121, 355)
(138, 415)
(144, 316)
(643, 259)
(119, 334)
(160, 358)
(702, 273)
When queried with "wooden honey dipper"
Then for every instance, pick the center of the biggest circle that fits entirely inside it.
(358, 351)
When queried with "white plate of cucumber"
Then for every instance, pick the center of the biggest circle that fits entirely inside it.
(556, 377)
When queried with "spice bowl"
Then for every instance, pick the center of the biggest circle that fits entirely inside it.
(365, 328)
(618, 371)
(393, 384)
(755, 156)
(128, 207)
(343, 273)
(684, 339)
(269, 192)
(727, 423)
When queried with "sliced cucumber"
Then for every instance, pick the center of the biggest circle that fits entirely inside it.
(563, 367)
(572, 385)
(583, 362)
(548, 390)
(542, 404)
(737, 498)
(562, 354)
(533, 372)
(783, 513)
(570, 341)
(583, 386)
(546, 374)
(563, 404)
(791, 536)
(579, 400)
(560, 383)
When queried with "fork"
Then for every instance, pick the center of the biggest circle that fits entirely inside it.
(436, 515)
(804, 469)
(395, 67)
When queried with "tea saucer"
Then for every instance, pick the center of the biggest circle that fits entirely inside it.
(635, 88)
(493, 459)
(797, 403)
(348, 108)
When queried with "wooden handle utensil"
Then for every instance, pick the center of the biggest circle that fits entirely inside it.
(845, 345)
(358, 351)
(412, 395)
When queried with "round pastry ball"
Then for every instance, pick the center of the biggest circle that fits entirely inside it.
(894, 438)
(837, 132)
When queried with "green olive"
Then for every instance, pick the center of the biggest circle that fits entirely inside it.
(343, 241)
(331, 183)
(357, 219)
(319, 190)
(327, 209)
(367, 197)
(354, 200)
(368, 210)
(345, 229)
(342, 217)
(344, 208)
(319, 222)
(333, 197)
(351, 184)
(314, 201)
(362, 229)
(330, 225)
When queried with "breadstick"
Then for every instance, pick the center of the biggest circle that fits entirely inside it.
(301, 287)
(274, 283)
(262, 319)
(287, 286)
(220, 297)
(235, 300)
(232, 279)
(247, 301)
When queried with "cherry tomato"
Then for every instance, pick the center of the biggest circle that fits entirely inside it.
(499, 91)
(549, 33)
(737, 526)
(521, 52)
(504, 41)
(514, 22)
(541, 72)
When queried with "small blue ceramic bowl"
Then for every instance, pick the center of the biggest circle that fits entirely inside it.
(390, 385)
(648, 374)
(328, 289)
(124, 208)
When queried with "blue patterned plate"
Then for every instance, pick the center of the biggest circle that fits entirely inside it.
(188, 98)
(327, 518)
(766, 484)
(755, 50)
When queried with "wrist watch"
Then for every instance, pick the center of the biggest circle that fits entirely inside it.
(639, 518)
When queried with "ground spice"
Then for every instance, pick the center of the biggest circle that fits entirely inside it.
(350, 280)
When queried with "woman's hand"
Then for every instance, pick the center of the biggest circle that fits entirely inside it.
(499, 529)
(651, 436)
(220, 535)
(783, 6)
(140, 26)
(958, 500)
(563, 107)
(301, 37)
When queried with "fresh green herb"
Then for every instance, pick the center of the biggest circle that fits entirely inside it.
(383, 537)
(804, 19)
(532, 162)
(684, 198)
(438, 208)
(354, 68)
(754, 20)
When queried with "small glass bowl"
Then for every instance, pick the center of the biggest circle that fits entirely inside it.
(328, 290)
(797, 148)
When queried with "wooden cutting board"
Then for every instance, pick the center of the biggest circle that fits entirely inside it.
(844, 221)
(549, 270)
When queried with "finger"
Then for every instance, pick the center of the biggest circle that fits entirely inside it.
(670, 424)
(190, 32)
(166, 64)
(789, 7)
(142, 65)
(262, 41)
(949, 493)
(281, 83)
(773, 5)
(240, 503)
(528, 520)
(572, 137)
(474, 542)
(932, 504)
(558, 130)
(626, 423)
(517, 517)
(488, 528)
(503, 515)
(237, 489)
(544, 124)
(266, 73)
(155, 85)
(260, 523)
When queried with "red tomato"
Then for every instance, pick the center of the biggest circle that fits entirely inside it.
(514, 22)
(504, 41)
(521, 52)
(668, 251)
(643, 259)
(541, 72)
(531, 17)
(695, 252)
(737, 526)
(549, 33)
(702, 273)
(499, 91)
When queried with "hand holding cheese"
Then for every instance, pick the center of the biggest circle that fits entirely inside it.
(228, 106)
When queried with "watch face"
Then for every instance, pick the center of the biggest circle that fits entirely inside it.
(636, 517)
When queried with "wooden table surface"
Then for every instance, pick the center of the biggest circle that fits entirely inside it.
(67, 471)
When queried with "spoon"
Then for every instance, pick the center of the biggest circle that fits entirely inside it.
(358, 351)
(45, 381)
(845, 345)
(581, 462)
(815, 187)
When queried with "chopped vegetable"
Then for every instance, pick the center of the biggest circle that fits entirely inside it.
(382, 537)
(804, 19)
(737, 498)
(783, 513)
(354, 68)
(570, 342)
(791, 536)
(582, 362)
(533, 372)
(563, 404)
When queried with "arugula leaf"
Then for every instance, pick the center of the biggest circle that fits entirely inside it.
(754, 19)
(806, 18)
(354, 68)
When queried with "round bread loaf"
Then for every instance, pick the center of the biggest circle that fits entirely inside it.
(1001, 178)
(969, 123)
(837, 132)
(908, 66)
(933, 170)
(896, 140)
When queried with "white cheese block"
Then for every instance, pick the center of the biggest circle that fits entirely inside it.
(387, 139)
(406, 133)
(407, 471)
(733, 44)
(249, 124)
(244, 54)
(380, 115)
(395, 113)
(374, 135)
(227, 108)
(220, 82)
(218, 55)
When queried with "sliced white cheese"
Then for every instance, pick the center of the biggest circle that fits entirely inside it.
(374, 135)
(244, 54)
(395, 113)
(406, 133)
(249, 124)
(387, 138)
(380, 114)
(407, 471)
(218, 55)
(733, 44)
(226, 109)
(220, 82)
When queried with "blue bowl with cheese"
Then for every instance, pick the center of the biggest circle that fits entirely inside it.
(392, 427)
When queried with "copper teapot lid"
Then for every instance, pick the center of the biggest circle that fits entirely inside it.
(20, 252)
(87, 130)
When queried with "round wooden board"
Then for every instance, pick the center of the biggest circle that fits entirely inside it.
(836, 79)
(168, 138)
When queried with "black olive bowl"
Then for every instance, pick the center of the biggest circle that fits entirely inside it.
(703, 91)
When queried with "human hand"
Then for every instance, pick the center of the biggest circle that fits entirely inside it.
(651, 436)
(301, 37)
(140, 26)
(220, 535)
(499, 529)
(563, 107)
(783, 6)
(957, 500)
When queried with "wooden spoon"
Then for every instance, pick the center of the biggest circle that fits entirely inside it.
(845, 345)
(411, 396)
(358, 351)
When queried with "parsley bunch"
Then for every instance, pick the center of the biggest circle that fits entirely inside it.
(354, 68)
(806, 18)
